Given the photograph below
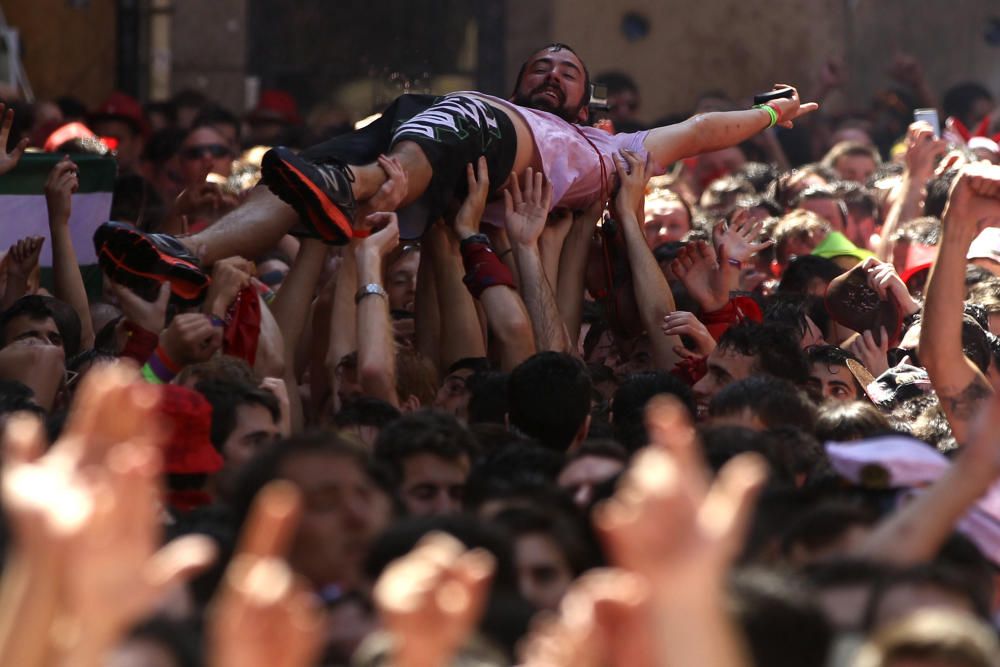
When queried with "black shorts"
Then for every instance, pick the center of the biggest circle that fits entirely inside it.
(452, 131)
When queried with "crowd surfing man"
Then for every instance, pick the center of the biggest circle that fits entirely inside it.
(768, 437)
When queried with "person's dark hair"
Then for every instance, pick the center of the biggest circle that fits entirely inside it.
(803, 453)
(226, 397)
(860, 200)
(72, 107)
(783, 623)
(975, 342)
(487, 397)
(567, 534)
(937, 193)
(723, 193)
(822, 525)
(267, 465)
(722, 443)
(519, 467)
(939, 575)
(213, 114)
(557, 46)
(803, 269)
(793, 309)
(960, 98)
(37, 307)
(925, 230)
(166, 108)
(366, 411)
(189, 98)
(755, 201)
(774, 346)
(423, 432)
(163, 145)
(759, 174)
(548, 398)
(600, 447)
(222, 367)
(16, 396)
(629, 404)
(135, 200)
(616, 82)
(774, 401)
(844, 421)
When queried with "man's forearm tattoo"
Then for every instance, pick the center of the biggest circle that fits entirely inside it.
(965, 403)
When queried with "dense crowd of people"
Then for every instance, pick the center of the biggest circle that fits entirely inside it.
(506, 381)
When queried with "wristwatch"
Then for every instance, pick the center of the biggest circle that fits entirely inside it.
(369, 289)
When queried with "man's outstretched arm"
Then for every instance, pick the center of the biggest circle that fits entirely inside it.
(957, 381)
(714, 131)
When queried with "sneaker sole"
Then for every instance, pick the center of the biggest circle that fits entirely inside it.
(317, 211)
(119, 246)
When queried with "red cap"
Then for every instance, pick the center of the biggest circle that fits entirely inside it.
(122, 106)
(65, 133)
(188, 414)
(919, 257)
(276, 105)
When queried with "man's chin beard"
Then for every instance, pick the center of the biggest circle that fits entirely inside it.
(568, 115)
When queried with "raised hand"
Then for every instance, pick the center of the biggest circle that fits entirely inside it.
(93, 496)
(667, 522)
(873, 356)
(61, 185)
(923, 149)
(229, 277)
(972, 202)
(191, 338)
(383, 241)
(263, 614)
(150, 315)
(632, 178)
(471, 212)
(739, 239)
(393, 191)
(22, 258)
(681, 322)
(882, 278)
(706, 280)
(432, 598)
(9, 160)
(277, 387)
(791, 108)
(528, 209)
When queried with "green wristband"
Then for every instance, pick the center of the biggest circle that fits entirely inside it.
(770, 112)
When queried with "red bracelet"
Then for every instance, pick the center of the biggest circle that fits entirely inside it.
(777, 110)
(169, 363)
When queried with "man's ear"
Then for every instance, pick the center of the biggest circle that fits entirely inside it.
(411, 404)
(583, 115)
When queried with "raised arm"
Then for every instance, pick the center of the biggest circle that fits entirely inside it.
(573, 269)
(922, 149)
(713, 131)
(291, 311)
(488, 279)
(526, 214)
(957, 381)
(461, 334)
(376, 345)
(915, 532)
(652, 293)
(63, 181)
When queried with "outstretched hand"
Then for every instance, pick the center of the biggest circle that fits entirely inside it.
(975, 183)
(9, 160)
(791, 108)
(22, 258)
(264, 615)
(432, 598)
(470, 214)
(740, 238)
(528, 209)
(632, 178)
(704, 277)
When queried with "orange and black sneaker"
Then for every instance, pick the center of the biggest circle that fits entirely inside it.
(319, 192)
(142, 262)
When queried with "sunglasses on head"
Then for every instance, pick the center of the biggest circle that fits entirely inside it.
(210, 150)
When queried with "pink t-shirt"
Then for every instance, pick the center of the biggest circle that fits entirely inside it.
(569, 160)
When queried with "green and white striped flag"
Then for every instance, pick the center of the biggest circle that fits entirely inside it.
(22, 203)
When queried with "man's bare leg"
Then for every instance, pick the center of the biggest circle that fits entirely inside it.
(252, 228)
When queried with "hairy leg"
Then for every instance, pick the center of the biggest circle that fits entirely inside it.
(250, 229)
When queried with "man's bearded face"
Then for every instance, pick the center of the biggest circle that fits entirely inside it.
(554, 81)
